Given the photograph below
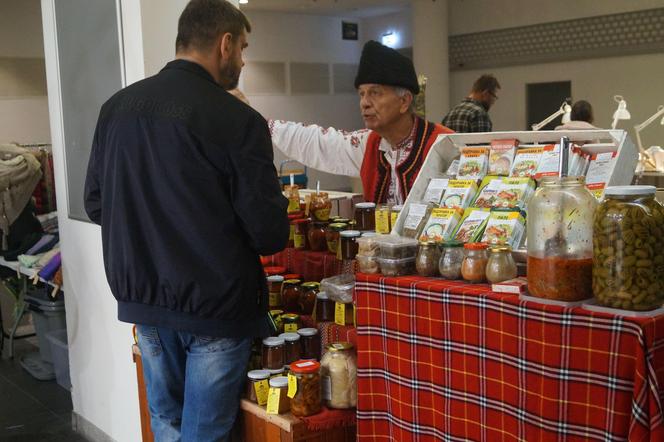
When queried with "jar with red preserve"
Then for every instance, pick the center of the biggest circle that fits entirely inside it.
(291, 220)
(321, 206)
(308, 297)
(300, 240)
(332, 235)
(316, 237)
(290, 295)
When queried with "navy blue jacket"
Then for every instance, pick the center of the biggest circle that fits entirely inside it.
(181, 179)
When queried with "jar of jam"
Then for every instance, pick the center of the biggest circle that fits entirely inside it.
(293, 195)
(349, 243)
(291, 220)
(281, 383)
(293, 348)
(324, 308)
(308, 297)
(383, 218)
(365, 216)
(290, 295)
(291, 322)
(501, 265)
(394, 214)
(307, 399)
(273, 353)
(300, 240)
(316, 237)
(274, 284)
(254, 377)
(321, 206)
(332, 235)
(473, 267)
(310, 340)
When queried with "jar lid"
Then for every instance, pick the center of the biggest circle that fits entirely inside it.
(629, 190)
(292, 281)
(258, 375)
(574, 181)
(294, 216)
(302, 221)
(292, 276)
(500, 248)
(311, 285)
(273, 342)
(276, 312)
(338, 226)
(274, 270)
(427, 242)
(290, 337)
(322, 296)
(274, 371)
(305, 366)
(342, 220)
(368, 234)
(275, 278)
(340, 346)
(307, 332)
(350, 233)
(452, 244)
(397, 208)
(366, 205)
(475, 246)
(279, 382)
(290, 317)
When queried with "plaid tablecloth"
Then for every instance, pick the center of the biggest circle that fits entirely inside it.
(312, 266)
(441, 360)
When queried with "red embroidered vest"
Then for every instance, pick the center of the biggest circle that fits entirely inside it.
(376, 171)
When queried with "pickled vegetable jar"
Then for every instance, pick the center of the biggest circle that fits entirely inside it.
(307, 399)
(339, 375)
(320, 206)
(316, 237)
(628, 243)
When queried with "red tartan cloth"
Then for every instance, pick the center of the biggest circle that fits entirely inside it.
(313, 266)
(444, 360)
(331, 332)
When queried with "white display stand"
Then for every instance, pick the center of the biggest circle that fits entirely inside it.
(447, 147)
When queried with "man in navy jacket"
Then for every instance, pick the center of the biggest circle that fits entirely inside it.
(181, 180)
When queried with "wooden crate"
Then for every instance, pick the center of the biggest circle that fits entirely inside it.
(258, 426)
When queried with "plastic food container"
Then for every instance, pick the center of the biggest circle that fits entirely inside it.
(396, 247)
(339, 288)
(368, 245)
(397, 267)
(367, 264)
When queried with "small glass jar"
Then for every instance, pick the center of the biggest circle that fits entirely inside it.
(274, 284)
(273, 353)
(332, 235)
(291, 322)
(300, 241)
(383, 218)
(253, 377)
(501, 266)
(394, 214)
(365, 216)
(428, 257)
(473, 267)
(308, 297)
(293, 195)
(451, 259)
(316, 237)
(281, 383)
(307, 399)
(290, 295)
(310, 340)
(293, 347)
(324, 308)
(321, 206)
(291, 220)
(349, 313)
(339, 375)
(349, 243)
(276, 318)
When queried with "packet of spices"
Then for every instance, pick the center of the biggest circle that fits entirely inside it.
(459, 194)
(514, 193)
(473, 164)
(549, 162)
(526, 162)
(504, 227)
(501, 156)
(435, 190)
(599, 172)
(488, 192)
(440, 225)
(472, 225)
(417, 213)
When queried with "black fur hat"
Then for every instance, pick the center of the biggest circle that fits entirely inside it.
(382, 65)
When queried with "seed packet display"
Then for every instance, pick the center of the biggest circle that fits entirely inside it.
(488, 193)
(514, 193)
(417, 213)
(599, 172)
(472, 225)
(473, 164)
(453, 169)
(576, 162)
(526, 162)
(459, 194)
(501, 156)
(549, 162)
(435, 190)
(440, 225)
(504, 227)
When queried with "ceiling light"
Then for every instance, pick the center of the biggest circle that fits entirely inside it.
(390, 39)
(243, 2)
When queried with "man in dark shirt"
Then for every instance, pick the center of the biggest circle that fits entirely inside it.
(472, 114)
(181, 179)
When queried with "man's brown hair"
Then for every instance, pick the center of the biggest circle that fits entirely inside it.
(203, 21)
(486, 82)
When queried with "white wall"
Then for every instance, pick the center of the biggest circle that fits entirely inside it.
(400, 22)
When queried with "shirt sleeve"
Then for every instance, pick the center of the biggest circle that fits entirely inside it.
(481, 123)
(325, 149)
(92, 190)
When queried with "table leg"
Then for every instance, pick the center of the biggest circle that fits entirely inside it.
(22, 308)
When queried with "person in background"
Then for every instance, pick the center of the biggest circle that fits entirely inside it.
(472, 114)
(581, 117)
(389, 153)
(182, 181)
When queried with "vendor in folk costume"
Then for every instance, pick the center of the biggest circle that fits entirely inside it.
(389, 153)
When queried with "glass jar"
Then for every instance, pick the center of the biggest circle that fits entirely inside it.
(310, 341)
(291, 322)
(274, 284)
(277, 371)
(428, 256)
(321, 206)
(281, 383)
(308, 297)
(273, 353)
(339, 375)
(292, 349)
(293, 195)
(473, 267)
(501, 266)
(560, 234)
(383, 218)
(451, 259)
(300, 240)
(291, 221)
(349, 313)
(349, 243)
(394, 214)
(365, 216)
(628, 240)
(307, 399)
(253, 377)
(324, 308)
(276, 318)
(316, 237)
(332, 235)
(290, 295)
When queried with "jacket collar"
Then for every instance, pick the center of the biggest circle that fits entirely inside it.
(190, 66)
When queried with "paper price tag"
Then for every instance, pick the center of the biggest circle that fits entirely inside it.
(340, 313)
(262, 388)
(382, 221)
(273, 400)
(298, 241)
(292, 386)
(290, 328)
(327, 388)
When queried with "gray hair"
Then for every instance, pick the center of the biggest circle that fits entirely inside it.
(402, 92)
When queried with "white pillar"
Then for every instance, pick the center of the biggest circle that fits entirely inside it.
(431, 55)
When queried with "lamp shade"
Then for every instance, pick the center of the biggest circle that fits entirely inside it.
(621, 113)
(567, 115)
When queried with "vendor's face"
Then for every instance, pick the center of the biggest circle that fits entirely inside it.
(381, 106)
(231, 59)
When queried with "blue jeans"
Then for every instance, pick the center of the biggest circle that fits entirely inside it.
(193, 383)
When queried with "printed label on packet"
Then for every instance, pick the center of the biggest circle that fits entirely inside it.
(273, 400)
(292, 386)
(340, 313)
(262, 388)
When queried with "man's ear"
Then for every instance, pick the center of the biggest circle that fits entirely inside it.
(406, 101)
(226, 45)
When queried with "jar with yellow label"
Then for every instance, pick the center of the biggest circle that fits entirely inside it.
(293, 195)
(383, 218)
(274, 284)
(332, 235)
(300, 240)
(281, 383)
(321, 206)
(276, 318)
(394, 214)
(253, 377)
(291, 322)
